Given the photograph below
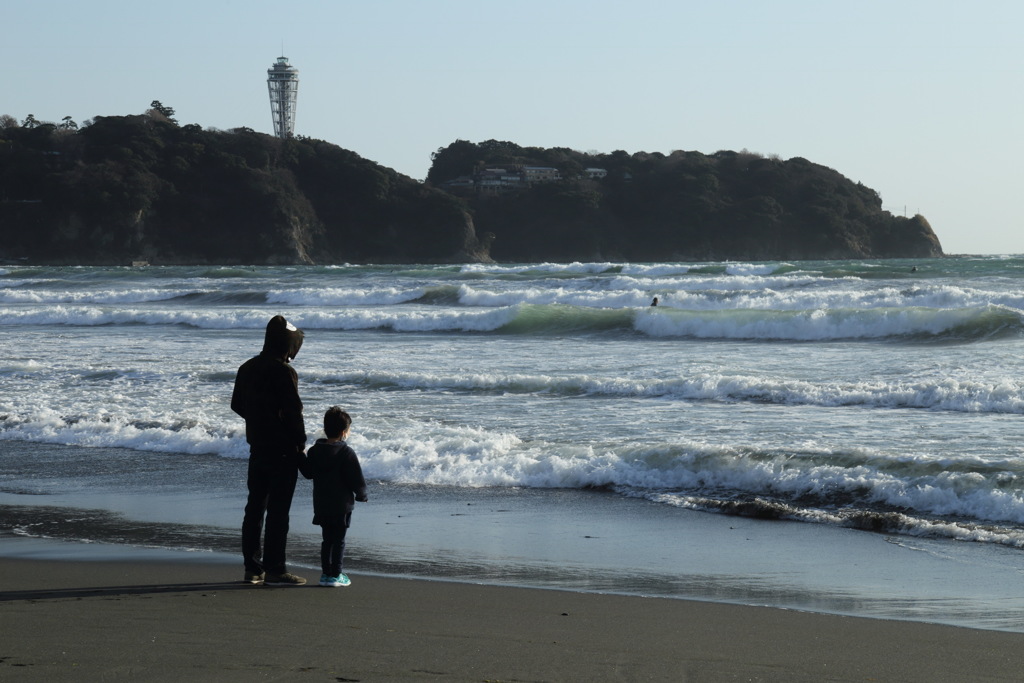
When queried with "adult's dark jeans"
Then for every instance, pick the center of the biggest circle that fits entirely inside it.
(332, 550)
(271, 484)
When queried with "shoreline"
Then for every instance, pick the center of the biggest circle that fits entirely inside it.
(162, 616)
(591, 542)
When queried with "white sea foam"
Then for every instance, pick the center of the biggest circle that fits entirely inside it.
(655, 270)
(419, 320)
(109, 296)
(750, 269)
(338, 296)
(720, 283)
(807, 325)
(474, 296)
(470, 457)
(575, 267)
(948, 394)
(890, 522)
(19, 367)
(101, 315)
(413, 320)
(415, 452)
(144, 431)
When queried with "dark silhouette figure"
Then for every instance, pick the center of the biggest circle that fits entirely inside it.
(266, 395)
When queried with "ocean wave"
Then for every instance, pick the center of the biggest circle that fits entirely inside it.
(179, 434)
(889, 522)
(542, 268)
(641, 270)
(21, 367)
(716, 283)
(967, 324)
(399, 321)
(101, 315)
(655, 270)
(750, 268)
(413, 320)
(584, 298)
(227, 272)
(703, 294)
(346, 296)
(948, 394)
(983, 502)
(968, 499)
(623, 292)
(222, 298)
(851, 489)
(109, 296)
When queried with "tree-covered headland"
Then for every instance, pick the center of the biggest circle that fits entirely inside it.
(120, 189)
(681, 206)
(130, 188)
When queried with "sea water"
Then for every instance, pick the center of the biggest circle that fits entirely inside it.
(542, 424)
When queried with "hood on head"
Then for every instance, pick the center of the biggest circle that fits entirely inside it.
(282, 339)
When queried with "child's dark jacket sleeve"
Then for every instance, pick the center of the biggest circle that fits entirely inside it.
(354, 475)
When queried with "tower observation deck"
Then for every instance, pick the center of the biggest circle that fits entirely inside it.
(283, 83)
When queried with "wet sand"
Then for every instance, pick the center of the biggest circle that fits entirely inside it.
(185, 617)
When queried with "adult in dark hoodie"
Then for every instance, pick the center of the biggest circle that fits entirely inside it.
(266, 395)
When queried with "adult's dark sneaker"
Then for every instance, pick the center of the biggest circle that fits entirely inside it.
(285, 579)
(253, 577)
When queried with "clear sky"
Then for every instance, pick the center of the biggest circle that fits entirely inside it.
(922, 100)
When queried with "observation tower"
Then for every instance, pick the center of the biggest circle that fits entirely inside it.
(283, 83)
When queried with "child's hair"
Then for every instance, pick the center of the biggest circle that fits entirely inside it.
(336, 421)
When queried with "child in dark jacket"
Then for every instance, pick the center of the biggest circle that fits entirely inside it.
(337, 483)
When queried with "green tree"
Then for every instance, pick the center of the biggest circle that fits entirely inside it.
(458, 158)
(166, 112)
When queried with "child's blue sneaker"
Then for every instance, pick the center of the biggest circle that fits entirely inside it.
(335, 581)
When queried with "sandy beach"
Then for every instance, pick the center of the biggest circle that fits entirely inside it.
(181, 616)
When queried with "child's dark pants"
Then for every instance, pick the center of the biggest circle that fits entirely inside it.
(332, 550)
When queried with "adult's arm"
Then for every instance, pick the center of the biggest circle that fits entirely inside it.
(290, 409)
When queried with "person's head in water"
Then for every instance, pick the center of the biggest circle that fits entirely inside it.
(283, 340)
(655, 302)
(336, 423)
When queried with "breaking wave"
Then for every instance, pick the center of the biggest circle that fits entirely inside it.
(971, 499)
(968, 396)
(914, 323)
